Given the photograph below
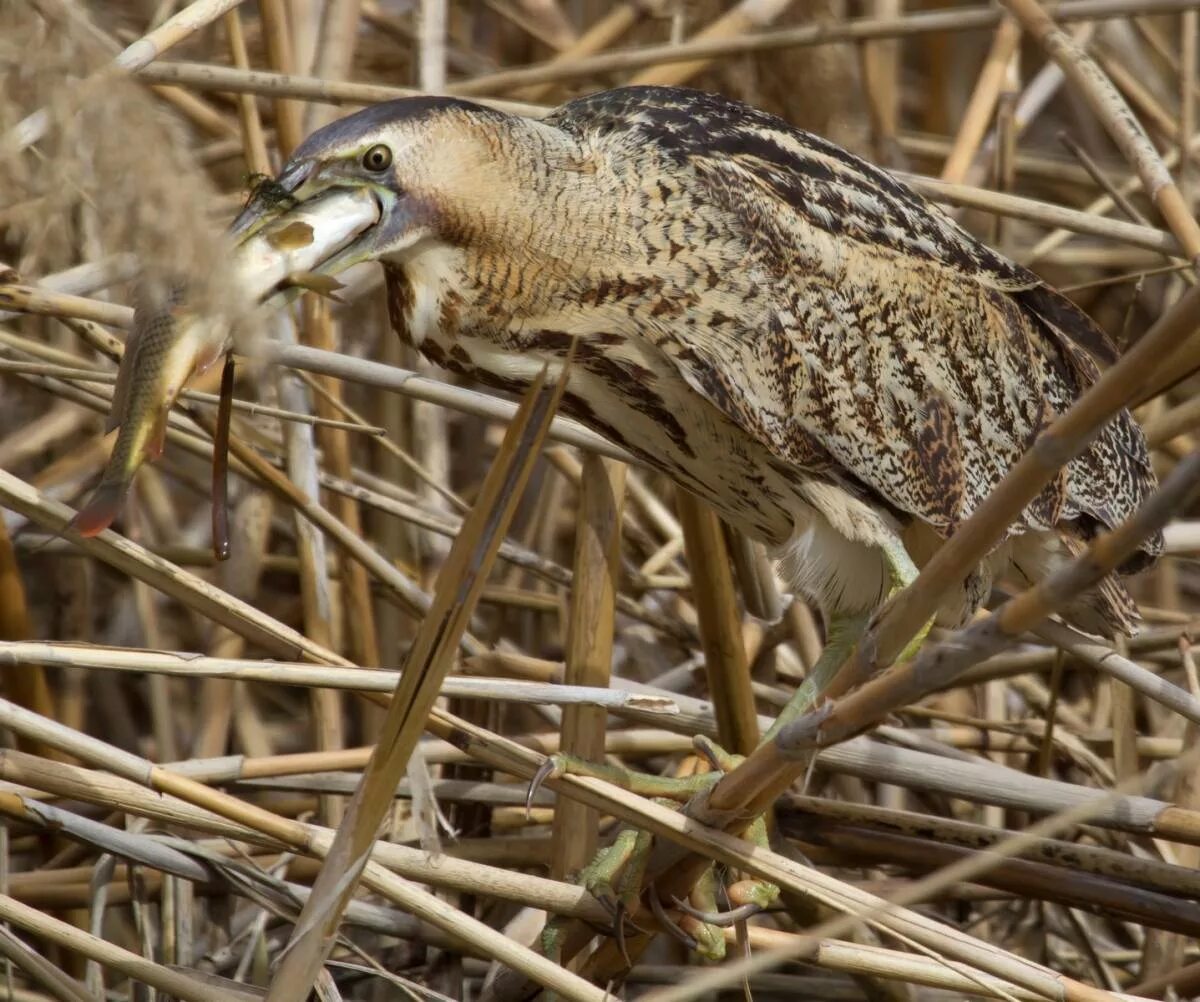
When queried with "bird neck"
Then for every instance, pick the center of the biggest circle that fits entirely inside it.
(525, 228)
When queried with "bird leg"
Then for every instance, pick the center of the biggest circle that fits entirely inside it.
(629, 854)
(709, 940)
(843, 632)
(904, 572)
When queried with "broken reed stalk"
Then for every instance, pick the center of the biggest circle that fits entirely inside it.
(459, 585)
(589, 654)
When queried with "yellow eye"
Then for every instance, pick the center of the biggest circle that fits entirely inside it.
(377, 158)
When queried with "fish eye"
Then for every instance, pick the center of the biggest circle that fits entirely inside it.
(377, 158)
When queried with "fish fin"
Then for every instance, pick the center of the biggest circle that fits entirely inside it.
(158, 437)
(207, 357)
(101, 509)
(313, 281)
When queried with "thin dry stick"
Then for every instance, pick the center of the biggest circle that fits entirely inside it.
(824, 33)
(983, 102)
(361, 370)
(459, 586)
(1189, 26)
(210, 76)
(249, 407)
(1044, 213)
(589, 645)
(196, 666)
(1116, 117)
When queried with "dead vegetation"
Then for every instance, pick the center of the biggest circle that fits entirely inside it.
(1020, 818)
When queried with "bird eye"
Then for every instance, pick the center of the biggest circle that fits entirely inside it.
(377, 158)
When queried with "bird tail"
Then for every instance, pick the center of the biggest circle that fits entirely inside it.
(1105, 610)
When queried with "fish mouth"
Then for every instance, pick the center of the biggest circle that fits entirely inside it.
(325, 234)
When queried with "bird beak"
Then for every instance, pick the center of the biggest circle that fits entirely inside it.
(271, 198)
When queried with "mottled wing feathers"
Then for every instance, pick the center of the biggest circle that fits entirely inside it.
(896, 349)
(832, 188)
(939, 456)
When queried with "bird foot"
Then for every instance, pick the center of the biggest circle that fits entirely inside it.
(615, 876)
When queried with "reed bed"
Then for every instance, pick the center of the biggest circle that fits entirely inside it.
(306, 768)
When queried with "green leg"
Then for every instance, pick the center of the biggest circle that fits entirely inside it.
(842, 633)
(904, 573)
(599, 876)
(710, 941)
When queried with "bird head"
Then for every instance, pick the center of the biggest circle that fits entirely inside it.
(441, 171)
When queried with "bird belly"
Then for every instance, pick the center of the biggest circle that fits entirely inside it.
(838, 574)
(637, 404)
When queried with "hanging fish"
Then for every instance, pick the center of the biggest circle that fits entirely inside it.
(170, 345)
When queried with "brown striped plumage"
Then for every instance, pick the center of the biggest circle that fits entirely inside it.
(785, 330)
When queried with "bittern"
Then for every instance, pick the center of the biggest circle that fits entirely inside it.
(786, 331)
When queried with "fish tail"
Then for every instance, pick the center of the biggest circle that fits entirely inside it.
(101, 508)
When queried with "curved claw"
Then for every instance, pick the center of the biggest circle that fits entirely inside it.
(619, 933)
(545, 771)
(705, 748)
(610, 904)
(722, 919)
(668, 926)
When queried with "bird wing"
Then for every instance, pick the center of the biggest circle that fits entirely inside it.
(891, 341)
(814, 178)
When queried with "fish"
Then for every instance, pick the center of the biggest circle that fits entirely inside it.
(165, 349)
(169, 344)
